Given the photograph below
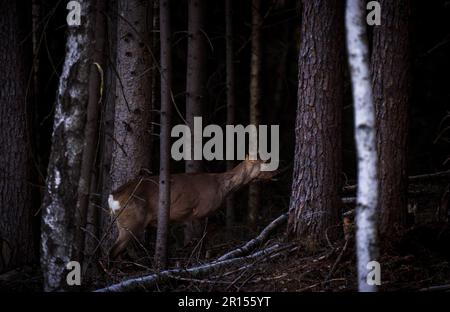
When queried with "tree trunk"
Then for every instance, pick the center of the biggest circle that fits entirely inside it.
(90, 148)
(281, 81)
(155, 74)
(365, 135)
(107, 130)
(64, 169)
(16, 235)
(35, 18)
(255, 99)
(391, 68)
(230, 96)
(195, 72)
(165, 118)
(315, 203)
(133, 90)
(194, 91)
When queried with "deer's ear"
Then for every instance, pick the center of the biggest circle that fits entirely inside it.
(246, 157)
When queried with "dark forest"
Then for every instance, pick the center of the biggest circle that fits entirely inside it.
(231, 146)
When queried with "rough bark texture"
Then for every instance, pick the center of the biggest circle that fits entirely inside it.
(391, 68)
(315, 204)
(230, 95)
(365, 135)
(64, 169)
(131, 151)
(165, 117)
(154, 118)
(16, 240)
(255, 99)
(194, 90)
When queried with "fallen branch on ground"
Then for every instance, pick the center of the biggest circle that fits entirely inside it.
(257, 241)
(195, 272)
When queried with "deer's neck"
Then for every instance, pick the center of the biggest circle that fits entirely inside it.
(235, 179)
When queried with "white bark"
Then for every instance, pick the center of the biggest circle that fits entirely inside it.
(365, 135)
(59, 205)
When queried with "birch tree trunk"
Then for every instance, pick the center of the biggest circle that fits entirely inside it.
(64, 169)
(255, 100)
(165, 118)
(16, 232)
(391, 68)
(194, 91)
(230, 95)
(365, 136)
(315, 204)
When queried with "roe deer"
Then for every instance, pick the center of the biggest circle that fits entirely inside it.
(192, 196)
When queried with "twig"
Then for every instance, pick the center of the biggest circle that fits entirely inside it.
(436, 288)
(416, 178)
(430, 176)
(197, 246)
(195, 280)
(245, 282)
(321, 283)
(338, 259)
(237, 279)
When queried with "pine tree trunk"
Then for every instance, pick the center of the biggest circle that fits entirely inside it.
(155, 74)
(255, 100)
(280, 90)
(391, 68)
(16, 232)
(133, 90)
(165, 118)
(194, 91)
(315, 203)
(64, 169)
(195, 71)
(230, 95)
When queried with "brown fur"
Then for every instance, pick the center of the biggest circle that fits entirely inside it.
(192, 196)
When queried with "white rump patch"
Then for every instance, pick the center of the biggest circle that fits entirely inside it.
(114, 205)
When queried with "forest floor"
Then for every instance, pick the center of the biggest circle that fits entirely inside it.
(419, 260)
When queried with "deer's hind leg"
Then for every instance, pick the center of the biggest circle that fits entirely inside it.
(126, 234)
